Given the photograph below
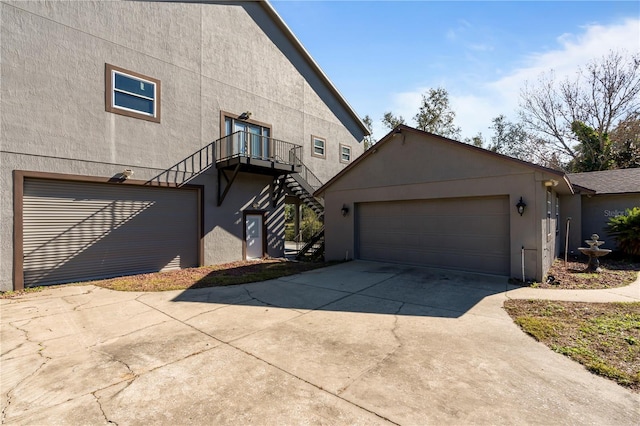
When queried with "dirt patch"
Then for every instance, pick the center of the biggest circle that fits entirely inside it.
(240, 272)
(615, 273)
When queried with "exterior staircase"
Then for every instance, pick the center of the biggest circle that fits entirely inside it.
(240, 151)
(303, 184)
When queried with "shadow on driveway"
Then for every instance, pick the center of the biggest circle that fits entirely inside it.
(363, 287)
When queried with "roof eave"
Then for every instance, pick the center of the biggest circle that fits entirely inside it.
(403, 127)
(298, 44)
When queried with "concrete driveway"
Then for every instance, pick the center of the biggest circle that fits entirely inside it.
(357, 343)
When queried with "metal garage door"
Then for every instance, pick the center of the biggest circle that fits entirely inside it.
(74, 231)
(469, 234)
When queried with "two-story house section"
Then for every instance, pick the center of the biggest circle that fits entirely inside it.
(141, 136)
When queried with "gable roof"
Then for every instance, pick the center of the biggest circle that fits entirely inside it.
(314, 65)
(622, 181)
(402, 128)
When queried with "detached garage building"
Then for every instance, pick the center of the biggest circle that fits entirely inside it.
(422, 199)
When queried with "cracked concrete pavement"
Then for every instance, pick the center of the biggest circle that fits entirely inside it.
(356, 343)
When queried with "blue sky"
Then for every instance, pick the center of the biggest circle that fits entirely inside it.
(382, 55)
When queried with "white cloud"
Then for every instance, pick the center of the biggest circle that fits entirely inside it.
(574, 51)
(475, 106)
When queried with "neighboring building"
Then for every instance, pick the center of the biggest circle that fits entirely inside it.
(599, 197)
(422, 199)
(142, 136)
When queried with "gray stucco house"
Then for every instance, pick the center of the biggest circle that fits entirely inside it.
(142, 136)
(598, 197)
(422, 199)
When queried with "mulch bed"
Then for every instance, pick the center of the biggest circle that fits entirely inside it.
(615, 273)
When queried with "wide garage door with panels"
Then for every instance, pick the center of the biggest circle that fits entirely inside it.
(470, 234)
(75, 231)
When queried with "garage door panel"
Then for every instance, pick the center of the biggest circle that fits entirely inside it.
(75, 231)
(441, 233)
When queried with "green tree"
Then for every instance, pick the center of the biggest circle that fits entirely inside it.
(369, 141)
(593, 152)
(392, 121)
(512, 139)
(477, 140)
(625, 139)
(435, 114)
(601, 94)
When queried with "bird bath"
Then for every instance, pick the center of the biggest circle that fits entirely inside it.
(594, 252)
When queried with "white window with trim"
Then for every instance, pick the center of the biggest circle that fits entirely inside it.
(132, 94)
(345, 154)
(318, 147)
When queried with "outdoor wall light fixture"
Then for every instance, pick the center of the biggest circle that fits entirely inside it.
(245, 115)
(344, 210)
(520, 206)
(551, 182)
(126, 174)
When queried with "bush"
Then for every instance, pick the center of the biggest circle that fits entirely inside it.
(309, 223)
(626, 230)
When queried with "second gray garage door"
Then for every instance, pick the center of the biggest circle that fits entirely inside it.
(76, 231)
(470, 234)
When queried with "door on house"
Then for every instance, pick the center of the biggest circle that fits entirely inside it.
(254, 236)
(250, 140)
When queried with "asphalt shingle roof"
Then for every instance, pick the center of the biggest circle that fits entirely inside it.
(608, 181)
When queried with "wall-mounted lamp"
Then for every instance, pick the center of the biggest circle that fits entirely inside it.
(398, 133)
(551, 182)
(344, 210)
(126, 174)
(245, 115)
(520, 206)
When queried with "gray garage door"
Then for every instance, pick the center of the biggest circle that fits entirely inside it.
(470, 234)
(75, 231)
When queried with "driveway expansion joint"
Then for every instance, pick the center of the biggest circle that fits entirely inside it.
(320, 388)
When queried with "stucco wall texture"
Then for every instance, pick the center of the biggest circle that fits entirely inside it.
(414, 166)
(208, 57)
(599, 209)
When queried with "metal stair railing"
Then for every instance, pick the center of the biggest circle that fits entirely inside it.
(318, 237)
(237, 144)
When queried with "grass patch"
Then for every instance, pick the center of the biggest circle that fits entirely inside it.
(241, 272)
(604, 337)
(16, 293)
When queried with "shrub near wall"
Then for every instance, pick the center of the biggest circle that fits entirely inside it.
(626, 230)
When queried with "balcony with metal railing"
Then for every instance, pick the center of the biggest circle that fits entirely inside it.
(257, 153)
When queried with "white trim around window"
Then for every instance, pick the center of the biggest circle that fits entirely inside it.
(131, 94)
(318, 147)
(345, 153)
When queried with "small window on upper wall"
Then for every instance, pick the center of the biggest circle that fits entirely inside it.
(318, 148)
(345, 154)
(132, 94)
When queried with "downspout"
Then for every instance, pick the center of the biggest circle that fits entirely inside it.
(522, 258)
(566, 242)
